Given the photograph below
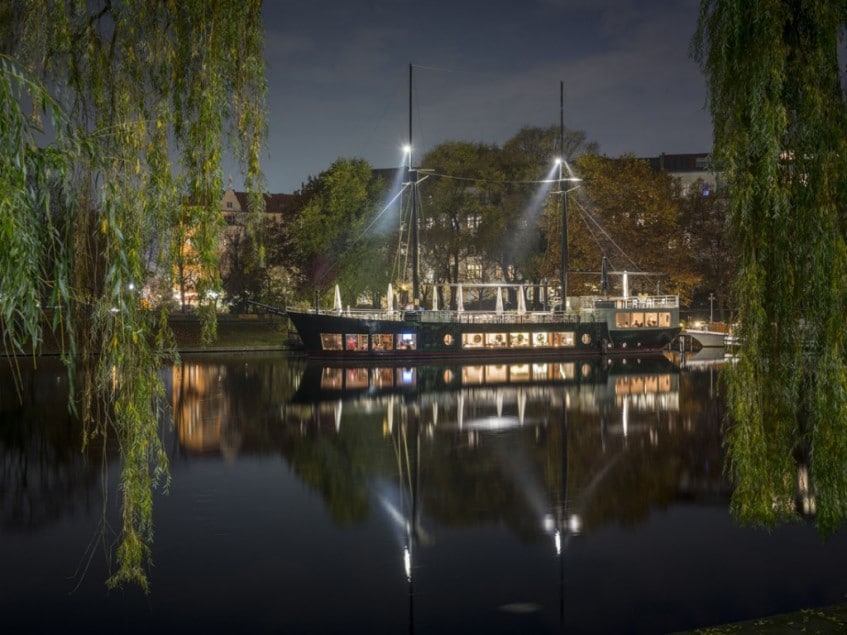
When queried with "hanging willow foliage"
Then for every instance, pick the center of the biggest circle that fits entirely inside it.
(133, 109)
(780, 133)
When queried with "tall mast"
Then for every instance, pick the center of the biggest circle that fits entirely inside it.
(564, 193)
(416, 282)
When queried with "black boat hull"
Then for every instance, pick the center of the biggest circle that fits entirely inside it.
(413, 337)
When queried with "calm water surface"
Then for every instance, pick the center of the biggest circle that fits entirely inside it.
(537, 498)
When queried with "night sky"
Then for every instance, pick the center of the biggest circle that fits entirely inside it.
(338, 77)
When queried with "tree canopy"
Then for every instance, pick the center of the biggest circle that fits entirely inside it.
(332, 237)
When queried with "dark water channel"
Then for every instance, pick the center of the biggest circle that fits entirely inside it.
(535, 498)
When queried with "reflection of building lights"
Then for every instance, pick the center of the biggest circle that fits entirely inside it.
(557, 539)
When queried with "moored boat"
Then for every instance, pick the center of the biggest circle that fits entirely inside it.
(709, 335)
(579, 327)
(589, 326)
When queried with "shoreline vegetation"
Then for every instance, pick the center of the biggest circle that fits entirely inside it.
(245, 332)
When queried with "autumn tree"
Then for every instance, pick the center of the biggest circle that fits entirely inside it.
(115, 113)
(780, 139)
(624, 210)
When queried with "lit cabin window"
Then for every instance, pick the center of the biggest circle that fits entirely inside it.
(563, 339)
(382, 341)
(495, 340)
(472, 340)
(541, 339)
(356, 342)
(407, 341)
(519, 340)
(331, 341)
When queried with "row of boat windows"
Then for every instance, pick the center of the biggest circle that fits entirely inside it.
(471, 341)
(635, 319)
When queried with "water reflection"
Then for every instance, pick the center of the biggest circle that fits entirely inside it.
(501, 426)
(336, 418)
(497, 498)
(489, 444)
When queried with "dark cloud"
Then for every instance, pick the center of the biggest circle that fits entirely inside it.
(338, 77)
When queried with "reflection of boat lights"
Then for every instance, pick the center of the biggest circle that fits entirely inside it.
(408, 375)
(493, 423)
(407, 562)
(574, 524)
(573, 528)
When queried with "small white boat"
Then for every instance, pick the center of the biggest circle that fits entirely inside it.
(706, 337)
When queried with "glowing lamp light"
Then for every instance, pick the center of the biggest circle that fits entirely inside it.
(407, 149)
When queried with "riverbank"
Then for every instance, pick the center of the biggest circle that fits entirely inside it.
(235, 333)
(824, 620)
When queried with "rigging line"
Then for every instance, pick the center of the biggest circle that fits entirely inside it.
(398, 253)
(403, 254)
(482, 180)
(384, 209)
(588, 227)
(333, 262)
(588, 215)
(603, 230)
(442, 69)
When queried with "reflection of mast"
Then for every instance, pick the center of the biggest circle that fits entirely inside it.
(564, 497)
(566, 526)
(408, 472)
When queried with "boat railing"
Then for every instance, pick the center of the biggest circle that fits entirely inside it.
(635, 302)
(494, 317)
(464, 317)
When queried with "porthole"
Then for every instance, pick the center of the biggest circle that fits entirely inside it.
(586, 339)
(448, 339)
